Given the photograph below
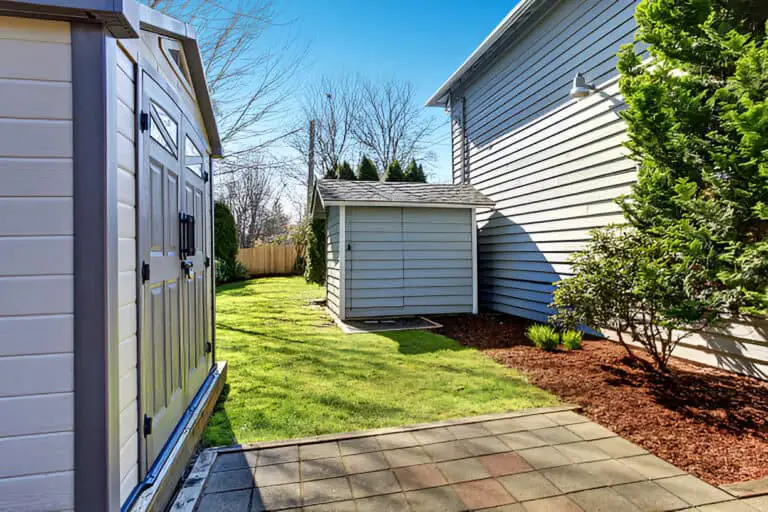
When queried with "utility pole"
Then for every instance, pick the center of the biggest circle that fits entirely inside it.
(311, 163)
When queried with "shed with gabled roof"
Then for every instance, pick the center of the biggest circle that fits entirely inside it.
(399, 249)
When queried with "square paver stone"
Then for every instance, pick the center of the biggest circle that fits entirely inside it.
(484, 445)
(447, 451)
(604, 499)
(522, 440)
(570, 478)
(693, 490)
(437, 499)
(338, 506)
(433, 435)
(277, 474)
(528, 486)
(365, 462)
(370, 484)
(759, 503)
(512, 507)
(406, 456)
(727, 506)
(556, 435)
(278, 455)
(276, 497)
(500, 464)
(234, 501)
(318, 469)
(385, 503)
(229, 481)
(358, 445)
(399, 440)
(422, 476)
(554, 504)
(651, 466)
(544, 457)
(468, 430)
(483, 494)
(519, 424)
(566, 417)
(611, 472)
(318, 451)
(648, 496)
(617, 447)
(463, 470)
(589, 431)
(583, 451)
(322, 491)
(235, 460)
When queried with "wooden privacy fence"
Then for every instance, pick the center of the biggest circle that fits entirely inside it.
(269, 259)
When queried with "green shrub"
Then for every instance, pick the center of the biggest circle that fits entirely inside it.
(366, 171)
(227, 272)
(543, 336)
(345, 172)
(315, 252)
(394, 172)
(225, 233)
(571, 339)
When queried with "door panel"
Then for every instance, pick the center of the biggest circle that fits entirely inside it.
(175, 321)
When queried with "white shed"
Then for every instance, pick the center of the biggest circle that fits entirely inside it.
(106, 286)
(399, 249)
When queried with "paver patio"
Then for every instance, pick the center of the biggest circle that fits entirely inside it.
(550, 459)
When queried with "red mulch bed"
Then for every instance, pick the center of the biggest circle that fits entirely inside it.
(706, 421)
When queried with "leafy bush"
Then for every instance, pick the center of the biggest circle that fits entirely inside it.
(697, 122)
(543, 336)
(571, 339)
(225, 238)
(227, 272)
(315, 251)
(635, 286)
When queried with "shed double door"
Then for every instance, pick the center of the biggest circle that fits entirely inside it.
(175, 266)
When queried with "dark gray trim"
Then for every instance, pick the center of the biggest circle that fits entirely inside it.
(121, 17)
(97, 464)
(211, 164)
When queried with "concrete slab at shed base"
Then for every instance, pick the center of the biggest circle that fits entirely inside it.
(159, 495)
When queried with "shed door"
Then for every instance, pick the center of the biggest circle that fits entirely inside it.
(175, 326)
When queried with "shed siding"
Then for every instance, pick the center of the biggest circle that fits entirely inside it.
(554, 165)
(333, 277)
(409, 261)
(36, 294)
(127, 280)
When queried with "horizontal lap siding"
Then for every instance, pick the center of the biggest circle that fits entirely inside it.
(333, 269)
(36, 281)
(554, 166)
(126, 227)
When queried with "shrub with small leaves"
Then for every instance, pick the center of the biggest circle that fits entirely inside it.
(230, 271)
(543, 336)
(571, 340)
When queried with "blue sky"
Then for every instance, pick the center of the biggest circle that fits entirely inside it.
(423, 41)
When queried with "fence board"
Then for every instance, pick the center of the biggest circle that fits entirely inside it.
(269, 259)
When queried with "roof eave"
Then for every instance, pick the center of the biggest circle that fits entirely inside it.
(406, 204)
(511, 22)
(155, 21)
(119, 17)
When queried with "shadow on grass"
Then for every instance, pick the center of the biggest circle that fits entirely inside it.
(422, 342)
(219, 426)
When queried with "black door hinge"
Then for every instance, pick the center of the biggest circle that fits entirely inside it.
(147, 425)
(144, 271)
(208, 347)
(206, 176)
(144, 121)
(207, 262)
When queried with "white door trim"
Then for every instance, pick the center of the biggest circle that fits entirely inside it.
(342, 262)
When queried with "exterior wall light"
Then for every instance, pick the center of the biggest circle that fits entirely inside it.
(580, 88)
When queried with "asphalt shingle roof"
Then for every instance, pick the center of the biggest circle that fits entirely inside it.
(417, 193)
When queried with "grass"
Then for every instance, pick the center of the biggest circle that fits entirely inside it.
(293, 373)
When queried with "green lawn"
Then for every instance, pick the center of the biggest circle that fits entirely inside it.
(293, 373)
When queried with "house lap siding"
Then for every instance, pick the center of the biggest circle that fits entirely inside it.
(554, 167)
(333, 277)
(36, 275)
(408, 261)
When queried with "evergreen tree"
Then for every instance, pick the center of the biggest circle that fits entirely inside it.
(366, 171)
(697, 121)
(394, 172)
(332, 173)
(225, 233)
(346, 172)
(415, 173)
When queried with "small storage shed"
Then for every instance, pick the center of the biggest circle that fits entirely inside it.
(399, 249)
(107, 356)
